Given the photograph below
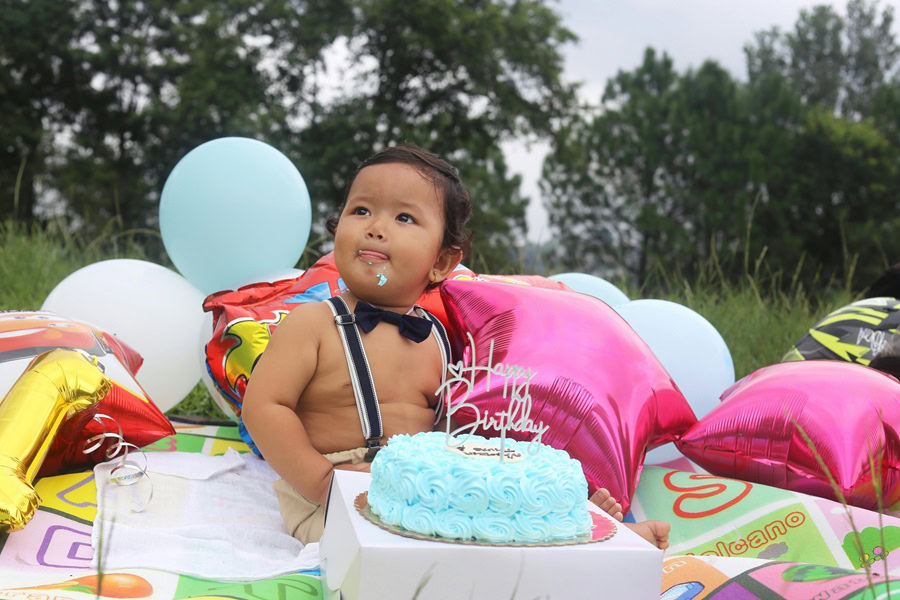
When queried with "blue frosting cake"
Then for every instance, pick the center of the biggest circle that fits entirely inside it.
(424, 486)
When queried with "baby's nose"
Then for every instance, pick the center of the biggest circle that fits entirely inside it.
(374, 235)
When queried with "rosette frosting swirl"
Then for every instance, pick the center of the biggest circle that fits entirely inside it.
(418, 483)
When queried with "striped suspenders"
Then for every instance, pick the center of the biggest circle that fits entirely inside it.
(361, 374)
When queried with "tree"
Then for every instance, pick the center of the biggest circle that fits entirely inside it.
(646, 180)
(774, 113)
(604, 182)
(824, 146)
(886, 111)
(40, 78)
(826, 186)
(457, 78)
(872, 55)
(161, 77)
(168, 76)
(846, 179)
(676, 168)
(837, 62)
(799, 166)
(712, 165)
(816, 59)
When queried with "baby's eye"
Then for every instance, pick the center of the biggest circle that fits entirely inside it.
(360, 210)
(405, 218)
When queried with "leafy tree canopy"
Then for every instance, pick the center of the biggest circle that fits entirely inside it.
(108, 96)
(799, 166)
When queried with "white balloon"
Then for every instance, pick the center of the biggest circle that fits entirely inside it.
(688, 346)
(154, 310)
(205, 337)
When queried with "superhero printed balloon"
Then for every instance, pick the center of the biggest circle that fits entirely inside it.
(865, 332)
(245, 319)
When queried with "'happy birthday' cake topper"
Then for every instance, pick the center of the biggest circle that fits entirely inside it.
(516, 417)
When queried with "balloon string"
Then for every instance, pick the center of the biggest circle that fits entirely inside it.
(127, 472)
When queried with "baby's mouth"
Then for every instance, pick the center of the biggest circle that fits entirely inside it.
(372, 256)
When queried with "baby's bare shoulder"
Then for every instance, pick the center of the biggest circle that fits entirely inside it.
(306, 322)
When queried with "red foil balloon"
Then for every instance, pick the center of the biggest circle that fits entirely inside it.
(847, 410)
(141, 421)
(24, 335)
(596, 384)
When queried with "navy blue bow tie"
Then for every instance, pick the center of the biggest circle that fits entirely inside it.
(414, 328)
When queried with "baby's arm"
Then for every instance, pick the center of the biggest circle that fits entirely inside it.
(270, 403)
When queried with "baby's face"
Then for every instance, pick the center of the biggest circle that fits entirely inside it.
(389, 235)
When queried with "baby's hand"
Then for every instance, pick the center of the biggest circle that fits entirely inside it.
(362, 467)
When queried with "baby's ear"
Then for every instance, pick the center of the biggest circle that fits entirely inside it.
(448, 260)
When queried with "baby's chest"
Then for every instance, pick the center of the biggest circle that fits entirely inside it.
(400, 365)
(400, 368)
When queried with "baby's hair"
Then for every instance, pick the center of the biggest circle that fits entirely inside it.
(455, 197)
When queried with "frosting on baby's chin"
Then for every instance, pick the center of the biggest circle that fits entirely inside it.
(421, 485)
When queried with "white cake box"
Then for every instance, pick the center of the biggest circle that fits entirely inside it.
(361, 561)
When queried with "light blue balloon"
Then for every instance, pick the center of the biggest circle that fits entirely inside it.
(688, 346)
(593, 286)
(231, 208)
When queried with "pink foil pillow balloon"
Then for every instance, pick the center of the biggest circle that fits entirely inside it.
(597, 385)
(846, 409)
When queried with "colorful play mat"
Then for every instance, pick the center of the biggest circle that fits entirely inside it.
(731, 540)
(50, 559)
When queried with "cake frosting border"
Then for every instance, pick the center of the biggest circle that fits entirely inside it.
(361, 504)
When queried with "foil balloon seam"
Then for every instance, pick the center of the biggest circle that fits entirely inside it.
(127, 472)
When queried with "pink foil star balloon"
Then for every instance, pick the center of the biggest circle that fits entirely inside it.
(597, 385)
(847, 410)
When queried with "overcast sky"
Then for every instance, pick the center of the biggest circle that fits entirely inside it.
(614, 34)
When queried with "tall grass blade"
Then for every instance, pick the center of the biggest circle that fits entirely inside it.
(18, 188)
(839, 494)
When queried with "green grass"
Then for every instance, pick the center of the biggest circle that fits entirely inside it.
(757, 318)
(758, 328)
(199, 403)
(33, 262)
